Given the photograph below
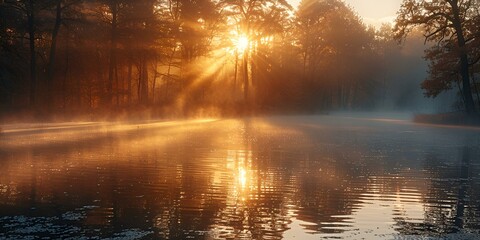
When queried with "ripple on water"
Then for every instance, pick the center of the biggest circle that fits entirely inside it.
(260, 178)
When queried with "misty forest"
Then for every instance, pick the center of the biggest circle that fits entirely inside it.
(240, 119)
(227, 57)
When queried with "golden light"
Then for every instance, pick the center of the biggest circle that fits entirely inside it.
(241, 43)
(242, 177)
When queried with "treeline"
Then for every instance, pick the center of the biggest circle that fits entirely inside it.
(185, 57)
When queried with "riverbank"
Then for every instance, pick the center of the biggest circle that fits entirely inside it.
(454, 118)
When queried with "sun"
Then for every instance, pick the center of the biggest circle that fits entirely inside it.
(241, 43)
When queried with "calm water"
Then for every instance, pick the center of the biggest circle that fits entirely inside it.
(258, 178)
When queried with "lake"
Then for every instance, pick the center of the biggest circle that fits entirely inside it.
(294, 177)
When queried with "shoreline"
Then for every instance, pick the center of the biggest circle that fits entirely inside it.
(452, 118)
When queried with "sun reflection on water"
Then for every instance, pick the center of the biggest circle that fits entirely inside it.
(237, 179)
(239, 164)
(242, 177)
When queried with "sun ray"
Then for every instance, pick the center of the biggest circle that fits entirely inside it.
(241, 43)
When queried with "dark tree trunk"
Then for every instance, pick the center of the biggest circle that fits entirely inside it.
(113, 57)
(144, 83)
(129, 80)
(53, 47)
(117, 85)
(155, 76)
(467, 91)
(65, 74)
(139, 83)
(33, 57)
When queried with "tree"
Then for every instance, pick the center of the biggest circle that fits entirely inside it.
(189, 28)
(256, 21)
(337, 52)
(447, 23)
(59, 9)
(99, 54)
(29, 9)
(12, 63)
(112, 13)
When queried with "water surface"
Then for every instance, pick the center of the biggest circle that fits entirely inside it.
(255, 178)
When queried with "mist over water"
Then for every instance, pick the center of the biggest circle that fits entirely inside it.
(239, 160)
(299, 177)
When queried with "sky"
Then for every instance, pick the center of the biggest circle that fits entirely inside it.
(373, 12)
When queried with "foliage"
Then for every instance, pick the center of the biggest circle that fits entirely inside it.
(453, 26)
(182, 57)
(338, 52)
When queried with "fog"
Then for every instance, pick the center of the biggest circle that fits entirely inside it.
(216, 119)
(339, 176)
(118, 60)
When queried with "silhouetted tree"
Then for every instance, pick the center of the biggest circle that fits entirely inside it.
(28, 11)
(257, 21)
(448, 24)
(180, 56)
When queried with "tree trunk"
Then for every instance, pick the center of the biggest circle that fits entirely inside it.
(253, 66)
(475, 87)
(464, 72)
(33, 57)
(65, 74)
(100, 76)
(155, 75)
(117, 85)
(139, 83)
(129, 87)
(53, 47)
(235, 72)
(144, 92)
(245, 74)
(113, 60)
(167, 82)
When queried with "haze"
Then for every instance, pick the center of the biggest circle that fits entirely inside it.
(239, 119)
(373, 12)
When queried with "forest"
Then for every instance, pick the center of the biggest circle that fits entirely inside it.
(183, 58)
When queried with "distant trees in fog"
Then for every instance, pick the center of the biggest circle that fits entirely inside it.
(340, 56)
(194, 57)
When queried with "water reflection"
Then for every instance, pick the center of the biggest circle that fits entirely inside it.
(270, 178)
